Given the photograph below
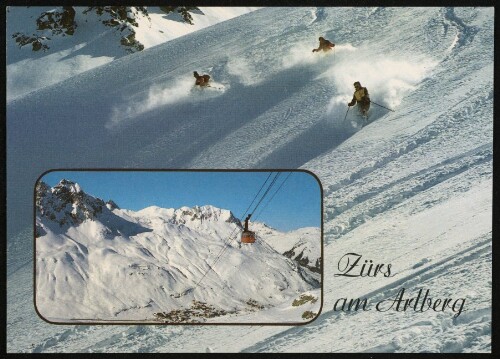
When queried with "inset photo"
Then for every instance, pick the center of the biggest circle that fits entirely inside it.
(178, 247)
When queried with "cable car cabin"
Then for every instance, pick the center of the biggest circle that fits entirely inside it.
(247, 236)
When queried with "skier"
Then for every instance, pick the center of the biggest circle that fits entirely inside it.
(201, 80)
(324, 45)
(362, 97)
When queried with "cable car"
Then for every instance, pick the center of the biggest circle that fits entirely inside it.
(247, 236)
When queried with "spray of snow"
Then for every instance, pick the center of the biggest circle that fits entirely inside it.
(390, 78)
(301, 54)
(387, 80)
(337, 107)
(157, 96)
(344, 48)
(245, 72)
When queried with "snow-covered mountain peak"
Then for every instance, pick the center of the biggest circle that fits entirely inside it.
(155, 212)
(189, 215)
(67, 204)
(204, 213)
(67, 186)
(111, 205)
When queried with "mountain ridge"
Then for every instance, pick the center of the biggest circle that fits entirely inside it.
(83, 246)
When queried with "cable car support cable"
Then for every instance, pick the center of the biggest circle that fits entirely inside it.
(230, 239)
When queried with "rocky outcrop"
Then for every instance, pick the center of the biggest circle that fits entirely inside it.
(183, 11)
(297, 254)
(62, 21)
(66, 203)
(124, 19)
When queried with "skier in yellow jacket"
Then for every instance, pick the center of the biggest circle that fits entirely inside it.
(362, 98)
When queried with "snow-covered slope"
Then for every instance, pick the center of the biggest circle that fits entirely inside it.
(412, 189)
(301, 245)
(96, 262)
(90, 43)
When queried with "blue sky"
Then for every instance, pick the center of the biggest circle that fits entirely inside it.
(297, 204)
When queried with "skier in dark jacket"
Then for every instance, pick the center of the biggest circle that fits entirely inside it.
(362, 98)
(201, 80)
(324, 45)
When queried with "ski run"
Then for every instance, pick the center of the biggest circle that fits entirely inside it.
(412, 189)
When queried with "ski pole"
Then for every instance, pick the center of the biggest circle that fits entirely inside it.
(381, 106)
(346, 113)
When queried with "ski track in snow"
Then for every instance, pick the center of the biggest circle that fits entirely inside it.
(412, 188)
(431, 272)
(465, 33)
